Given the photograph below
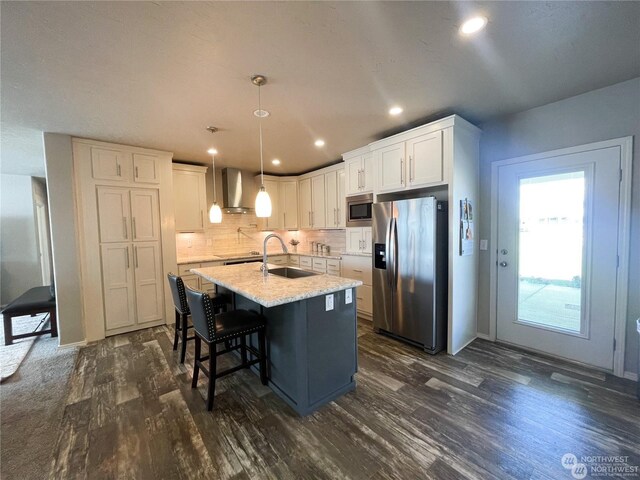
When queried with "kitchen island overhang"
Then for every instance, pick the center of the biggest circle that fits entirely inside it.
(312, 346)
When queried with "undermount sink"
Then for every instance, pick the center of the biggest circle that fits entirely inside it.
(291, 272)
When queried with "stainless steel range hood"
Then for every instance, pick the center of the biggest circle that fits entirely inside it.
(238, 191)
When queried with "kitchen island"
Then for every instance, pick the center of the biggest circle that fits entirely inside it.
(311, 329)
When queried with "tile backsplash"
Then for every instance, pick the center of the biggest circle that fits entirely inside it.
(239, 233)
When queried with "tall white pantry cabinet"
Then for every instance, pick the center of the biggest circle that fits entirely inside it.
(126, 223)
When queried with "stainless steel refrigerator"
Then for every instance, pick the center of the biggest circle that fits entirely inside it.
(410, 271)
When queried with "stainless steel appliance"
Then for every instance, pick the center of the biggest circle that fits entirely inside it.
(410, 271)
(359, 210)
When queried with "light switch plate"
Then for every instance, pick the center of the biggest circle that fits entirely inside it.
(329, 302)
(484, 244)
(348, 296)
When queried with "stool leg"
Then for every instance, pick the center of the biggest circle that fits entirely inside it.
(185, 332)
(177, 329)
(196, 366)
(211, 389)
(8, 334)
(53, 319)
(263, 357)
(243, 350)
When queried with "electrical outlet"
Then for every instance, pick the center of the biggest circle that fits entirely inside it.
(329, 302)
(484, 244)
(348, 296)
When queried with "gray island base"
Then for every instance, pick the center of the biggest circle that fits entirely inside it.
(312, 351)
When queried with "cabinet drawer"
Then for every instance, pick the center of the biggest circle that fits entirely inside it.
(365, 299)
(333, 271)
(207, 286)
(281, 260)
(294, 260)
(333, 267)
(358, 268)
(210, 264)
(305, 262)
(184, 269)
(319, 265)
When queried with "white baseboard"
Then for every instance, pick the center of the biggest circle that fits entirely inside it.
(74, 344)
(483, 336)
(630, 376)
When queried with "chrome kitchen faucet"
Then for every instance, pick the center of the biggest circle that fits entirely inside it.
(264, 268)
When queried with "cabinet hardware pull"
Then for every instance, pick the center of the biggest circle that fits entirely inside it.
(127, 258)
(338, 222)
(309, 217)
(118, 172)
(335, 216)
(411, 168)
(284, 219)
(202, 218)
(401, 171)
(359, 271)
(135, 230)
(135, 255)
(124, 227)
(136, 172)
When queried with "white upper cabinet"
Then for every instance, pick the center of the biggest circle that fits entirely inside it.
(391, 167)
(107, 164)
(318, 208)
(289, 204)
(342, 218)
(359, 240)
(189, 197)
(146, 168)
(144, 215)
(304, 196)
(426, 160)
(334, 199)
(359, 174)
(275, 221)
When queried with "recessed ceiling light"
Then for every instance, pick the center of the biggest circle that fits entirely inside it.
(395, 111)
(275, 161)
(473, 25)
(319, 143)
(261, 113)
(212, 151)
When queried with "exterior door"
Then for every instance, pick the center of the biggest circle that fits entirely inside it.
(145, 215)
(117, 281)
(557, 254)
(113, 214)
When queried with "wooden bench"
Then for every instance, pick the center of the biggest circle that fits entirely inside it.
(32, 302)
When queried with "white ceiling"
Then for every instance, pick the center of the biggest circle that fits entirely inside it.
(155, 74)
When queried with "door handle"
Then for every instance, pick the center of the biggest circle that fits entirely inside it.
(124, 227)
(309, 217)
(338, 220)
(202, 218)
(388, 254)
(401, 171)
(118, 170)
(136, 172)
(503, 264)
(133, 226)
(411, 168)
(127, 258)
(135, 255)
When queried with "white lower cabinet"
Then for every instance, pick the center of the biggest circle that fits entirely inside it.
(148, 278)
(118, 285)
(359, 268)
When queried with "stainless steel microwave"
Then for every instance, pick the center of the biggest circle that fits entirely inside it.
(359, 210)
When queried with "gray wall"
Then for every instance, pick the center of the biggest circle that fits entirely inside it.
(64, 241)
(603, 114)
(19, 260)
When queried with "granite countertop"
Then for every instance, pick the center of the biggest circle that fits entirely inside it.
(245, 256)
(247, 280)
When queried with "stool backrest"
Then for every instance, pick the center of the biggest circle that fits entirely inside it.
(178, 294)
(202, 314)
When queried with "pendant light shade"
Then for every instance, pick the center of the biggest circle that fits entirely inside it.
(215, 213)
(263, 204)
(263, 201)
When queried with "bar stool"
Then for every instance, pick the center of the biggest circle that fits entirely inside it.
(182, 312)
(224, 327)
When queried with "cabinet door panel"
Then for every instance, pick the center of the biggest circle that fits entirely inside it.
(273, 222)
(390, 165)
(331, 199)
(304, 194)
(367, 173)
(146, 168)
(366, 240)
(189, 200)
(191, 281)
(353, 168)
(148, 280)
(354, 239)
(118, 286)
(114, 214)
(342, 218)
(107, 164)
(145, 215)
(425, 159)
(318, 210)
(365, 299)
(289, 204)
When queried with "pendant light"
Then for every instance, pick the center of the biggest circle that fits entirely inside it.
(263, 201)
(215, 213)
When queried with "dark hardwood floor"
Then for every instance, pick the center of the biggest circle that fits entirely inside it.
(488, 412)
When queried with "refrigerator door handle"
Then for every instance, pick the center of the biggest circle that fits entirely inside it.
(389, 253)
(394, 239)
